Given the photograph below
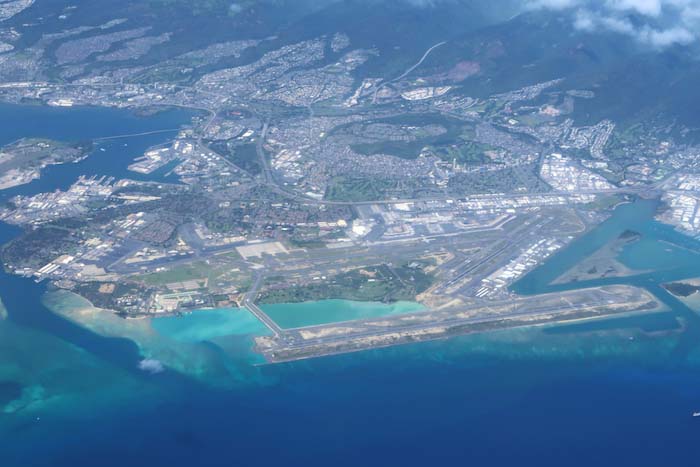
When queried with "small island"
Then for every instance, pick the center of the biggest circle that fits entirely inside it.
(682, 289)
(604, 262)
(23, 160)
(687, 291)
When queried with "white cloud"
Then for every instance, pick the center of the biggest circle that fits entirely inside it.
(553, 4)
(643, 7)
(151, 366)
(422, 3)
(657, 23)
(666, 37)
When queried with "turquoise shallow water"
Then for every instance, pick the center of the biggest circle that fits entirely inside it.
(206, 325)
(618, 392)
(662, 254)
(294, 315)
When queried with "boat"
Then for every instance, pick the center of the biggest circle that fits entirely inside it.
(696, 414)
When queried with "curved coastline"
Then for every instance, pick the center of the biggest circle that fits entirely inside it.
(181, 343)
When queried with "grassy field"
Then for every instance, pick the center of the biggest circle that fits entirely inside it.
(192, 271)
(372, 284)
(355, 189)
(214, 273)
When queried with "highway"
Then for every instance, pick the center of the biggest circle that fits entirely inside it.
(249, 303)
(407, 72)
(270, 181)
(267, 174)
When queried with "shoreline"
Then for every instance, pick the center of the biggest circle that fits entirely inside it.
(176, 350)
(336, 338)
(367, 333)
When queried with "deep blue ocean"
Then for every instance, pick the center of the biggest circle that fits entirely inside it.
(616, 393)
